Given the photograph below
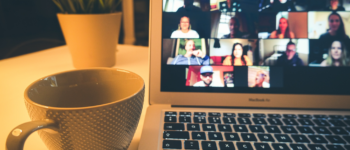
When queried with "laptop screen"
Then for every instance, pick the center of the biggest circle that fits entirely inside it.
(256, 46)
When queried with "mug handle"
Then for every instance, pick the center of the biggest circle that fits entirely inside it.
(17, 137)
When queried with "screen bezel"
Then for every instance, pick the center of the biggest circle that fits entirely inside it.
(299, 101)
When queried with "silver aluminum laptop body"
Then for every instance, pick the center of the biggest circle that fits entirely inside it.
(160, 101)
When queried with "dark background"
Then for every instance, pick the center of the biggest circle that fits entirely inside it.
(31, 25)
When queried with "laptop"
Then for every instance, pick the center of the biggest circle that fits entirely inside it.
(248, 75)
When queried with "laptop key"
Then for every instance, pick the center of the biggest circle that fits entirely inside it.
(259, 121)
(170, 119)
(185, 119)
(214, 120)
(320, 122)
(283, 138)
(225, 128)
(262, 146)
(214, 114)
(322, 130)
(280, 146)
(187, 114)
(172, 144)
(198, 136)
(272, 129)
(303, 116)
(317, 139)
(229, 115)
(226, 146)
(215, 136)
(193, 145)
(347, 129)
(305, 122)
(244, 121)
(256, 129)
(300, 139)
(208, 145)
(305, 130)
(274, 116)
(170, 113)
(274, 121)
(193, 127)
(259, 115)
(335, 147)
(321, 116)
(176, 135)
(290, 122)
(266, 138)
(298, 147)
(347, 138)
(335, 139)
(232, 137)
(248, 137)
(336, 117)
(229, 120)
(244, 146)
(174, 126)
(347, 122)
(337, 122)
(244, 115)
(347, 147)
(200, 114)
(316, 147)
(287, 129)
(208, 127)
(199, 120)
(337, 130)
(291, 116)
(240, 128)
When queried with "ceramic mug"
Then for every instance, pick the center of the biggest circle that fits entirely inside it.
(82, 109)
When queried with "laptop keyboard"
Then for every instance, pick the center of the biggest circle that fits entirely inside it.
(244, 131)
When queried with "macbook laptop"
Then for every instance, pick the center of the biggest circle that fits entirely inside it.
(248, 75)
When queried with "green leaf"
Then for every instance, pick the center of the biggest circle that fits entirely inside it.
(58, 4)
(71, 5)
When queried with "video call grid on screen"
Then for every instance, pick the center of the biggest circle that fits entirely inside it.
(266, 39)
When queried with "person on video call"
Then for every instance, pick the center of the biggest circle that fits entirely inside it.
(192, 56)
(234, 29)
(237, 57)
(336, 55)
(188, 7)
(207, 78)
(290, 57)
(283, 30)
(336, 32)
(283, 5)
(260, 80)
(184, 30)
(334, 6)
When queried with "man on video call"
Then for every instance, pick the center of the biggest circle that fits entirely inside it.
(207, 78)
(290, 57)
(188, 7)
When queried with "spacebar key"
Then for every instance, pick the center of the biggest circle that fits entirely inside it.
(176, 135)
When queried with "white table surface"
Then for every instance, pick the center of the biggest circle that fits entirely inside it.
(18, 72)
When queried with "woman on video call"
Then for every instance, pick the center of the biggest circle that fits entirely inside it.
(336, 55)
(282, 31)
(237, 58)
(184, 30)
(336, 32)
(192, 56)
(334, 6)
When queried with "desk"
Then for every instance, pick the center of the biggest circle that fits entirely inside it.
(18, 72)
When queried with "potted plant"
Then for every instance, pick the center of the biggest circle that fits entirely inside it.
(91, 30)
